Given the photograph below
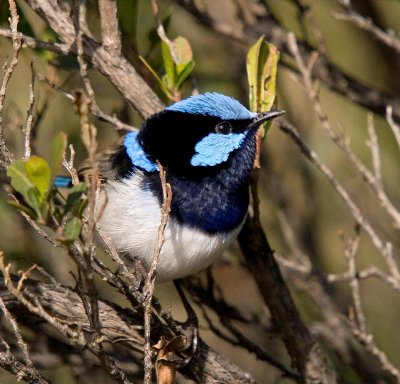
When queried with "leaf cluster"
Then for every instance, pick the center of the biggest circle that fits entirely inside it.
(33, 180)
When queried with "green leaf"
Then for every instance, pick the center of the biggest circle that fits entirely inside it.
(57, 150)
(262, 62)
(73, 229)
(187, 70)
(19, 179)
(35, 200)
(74, 197)
(169, 64)
(38, 172)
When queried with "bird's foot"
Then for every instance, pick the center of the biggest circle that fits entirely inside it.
(189, 329)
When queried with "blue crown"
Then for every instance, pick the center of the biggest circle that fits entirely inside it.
(213, 104)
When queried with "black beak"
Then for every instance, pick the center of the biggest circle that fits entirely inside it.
(262, 117)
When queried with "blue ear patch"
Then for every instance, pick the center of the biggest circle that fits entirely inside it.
(215, 148)
(213, 104)
(136, 153)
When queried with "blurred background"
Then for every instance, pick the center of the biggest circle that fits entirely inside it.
(301, 212)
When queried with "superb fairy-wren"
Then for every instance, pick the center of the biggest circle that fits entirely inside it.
(206, 144)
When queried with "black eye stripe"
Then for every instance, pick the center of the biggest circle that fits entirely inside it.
(223, 128)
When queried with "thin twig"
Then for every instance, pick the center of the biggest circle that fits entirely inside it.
(6, 156)
(96, 111)
(367, 340)
(31, 42)
(11, 321)
(350, 248)
(359, 166)
(29, 119)
(374, 146)
(69, 165)
(384, 248)
(151, 276)
(389, 37)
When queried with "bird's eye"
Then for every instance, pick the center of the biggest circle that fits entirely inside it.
(223, 128)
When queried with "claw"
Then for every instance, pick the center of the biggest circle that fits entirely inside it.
(190, 328)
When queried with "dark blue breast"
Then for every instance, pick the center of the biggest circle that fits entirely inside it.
(218, 200)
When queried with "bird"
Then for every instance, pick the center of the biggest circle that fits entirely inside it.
(206, 144)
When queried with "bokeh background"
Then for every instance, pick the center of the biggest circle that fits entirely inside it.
(292, 190)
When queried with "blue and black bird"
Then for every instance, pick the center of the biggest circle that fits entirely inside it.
(206, 143)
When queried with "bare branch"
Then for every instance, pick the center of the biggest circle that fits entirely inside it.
(388, 37)
(31, 42)
(350, 247)
(115, 67)
(109, 26)
(300, 344)
(367, 340)
(359, 166)
(29, 119)
(374, 146)
(151, 276)
(5, 155)
(10, 320)
(21, 371)
(384, 248)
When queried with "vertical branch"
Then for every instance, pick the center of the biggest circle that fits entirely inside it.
(300, 344)
(89, 133)
(29, 119)
(151, 276)
(5, 155)
(350, 248)
(109, 26)
(374, 146)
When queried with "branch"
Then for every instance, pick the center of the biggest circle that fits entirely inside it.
(109, 26)
(388, 38)
(115, 67)
(151, 276)
(301, 346)
(372, 181)
(29, 118)
(120, 326)
(5, 156)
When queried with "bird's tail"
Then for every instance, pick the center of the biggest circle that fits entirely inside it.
(63, 182)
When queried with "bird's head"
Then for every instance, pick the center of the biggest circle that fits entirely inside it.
(199, 132)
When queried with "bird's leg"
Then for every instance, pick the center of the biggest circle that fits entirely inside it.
(189, 327)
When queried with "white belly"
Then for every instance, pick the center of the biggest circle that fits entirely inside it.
(131, 219)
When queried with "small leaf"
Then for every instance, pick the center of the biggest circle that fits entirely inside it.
(183, 51)
(187, 70)
(38, 171)
(73, 229)
(34, 199)
(19, 179)
(74, 195)
(169, 64)
(57, 150)
(262, 64)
